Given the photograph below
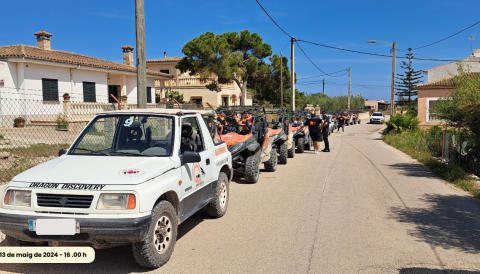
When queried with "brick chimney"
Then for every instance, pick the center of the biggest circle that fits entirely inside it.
(43, 39)
(127, 55)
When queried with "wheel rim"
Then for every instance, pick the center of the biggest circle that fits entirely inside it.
(223, 195)
(162, 235)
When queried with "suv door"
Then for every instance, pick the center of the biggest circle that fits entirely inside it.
(197, 177)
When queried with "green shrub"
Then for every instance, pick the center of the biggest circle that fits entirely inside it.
(434, 139)
(400, 123)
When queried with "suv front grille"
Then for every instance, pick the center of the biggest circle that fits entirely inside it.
(63, 200)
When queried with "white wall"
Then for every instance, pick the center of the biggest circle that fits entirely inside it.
(169, 66)
(99, 78)
(8, 73)
(450, 69)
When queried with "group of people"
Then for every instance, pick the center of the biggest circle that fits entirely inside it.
(318, 128)
(222, 121)
(342, 118)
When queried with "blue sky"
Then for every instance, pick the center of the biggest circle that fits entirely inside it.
(99, 28)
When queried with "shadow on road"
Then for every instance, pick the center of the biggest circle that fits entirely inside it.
(450, 222)
(421, 270)
(414, 170)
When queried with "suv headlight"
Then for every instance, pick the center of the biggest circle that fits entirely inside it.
(112, 201)
(18, 198)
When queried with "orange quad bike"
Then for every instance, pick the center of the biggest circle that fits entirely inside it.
(246, 140)
(299, 138)
(278, 130)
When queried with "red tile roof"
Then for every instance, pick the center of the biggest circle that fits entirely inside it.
(44, 33)
(164, 60)
(65, 57)
(447, 82)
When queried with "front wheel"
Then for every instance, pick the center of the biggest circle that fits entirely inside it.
(271, 164)
(301, 144)
(252, 169)
(218, 206)
(308, 143)
(283, 154)
(158, 244)
(291, 151)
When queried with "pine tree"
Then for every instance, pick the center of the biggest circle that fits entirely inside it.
(406, 86)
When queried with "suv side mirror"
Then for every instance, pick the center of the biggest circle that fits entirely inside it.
(190, 157)
(62, 151)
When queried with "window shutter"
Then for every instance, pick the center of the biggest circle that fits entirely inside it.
(149, 94)
(89, 94)
(50, 89)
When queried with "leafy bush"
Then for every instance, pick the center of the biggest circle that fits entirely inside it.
(400, 123)
(434, 138)
(412, 112)
(175, 95)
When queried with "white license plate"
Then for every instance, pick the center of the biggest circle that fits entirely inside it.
(55, 226)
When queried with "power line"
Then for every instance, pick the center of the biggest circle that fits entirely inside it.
(272, 19)
(314, 63)
(381, 55)
(324, 75)
(286, 44)
(447, 37)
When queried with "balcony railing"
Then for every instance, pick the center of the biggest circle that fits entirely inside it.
(190, 81)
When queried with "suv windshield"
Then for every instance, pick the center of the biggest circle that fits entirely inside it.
(377, 114)
(127, 135)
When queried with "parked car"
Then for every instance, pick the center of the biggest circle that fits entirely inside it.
(130, 178)
(377, 117)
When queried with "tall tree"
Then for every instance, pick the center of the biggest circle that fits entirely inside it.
(406, 86)
(267, 83)
(231, 56)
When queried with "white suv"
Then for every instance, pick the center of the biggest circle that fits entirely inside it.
(131, 177)
(377, 117)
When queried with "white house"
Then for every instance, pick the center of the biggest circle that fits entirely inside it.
(192, 88)
(38, 76)
(471, 63)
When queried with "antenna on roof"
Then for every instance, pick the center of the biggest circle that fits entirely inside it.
(471, 38)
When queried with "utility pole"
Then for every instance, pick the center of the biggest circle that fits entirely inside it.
(323, 87)
(281, 80)
(293, 75)
(141, 56)
(349, 90)
(392, 103)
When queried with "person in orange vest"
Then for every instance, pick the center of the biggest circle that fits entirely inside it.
(221, 122)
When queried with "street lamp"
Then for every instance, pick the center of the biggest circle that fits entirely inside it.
(392, 103)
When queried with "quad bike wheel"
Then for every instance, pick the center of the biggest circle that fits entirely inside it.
(301, 145)
(283, 154)
(271, 164)
(252, 169)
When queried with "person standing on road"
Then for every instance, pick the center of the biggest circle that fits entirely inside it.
(315, 132)
(341, 123)
(325, 131)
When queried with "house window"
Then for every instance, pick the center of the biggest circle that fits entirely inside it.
(197, 100)
(167, 71)
(50, 90)
(431, 115)
(89, 92)
(149, 94)
(224, 101)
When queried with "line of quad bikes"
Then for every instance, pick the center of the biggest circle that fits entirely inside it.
(270, 138)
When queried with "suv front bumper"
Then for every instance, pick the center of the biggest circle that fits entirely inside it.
(121, 230)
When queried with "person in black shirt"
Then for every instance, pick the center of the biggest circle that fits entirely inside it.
(315, 132)
(341, 122)
(325, 130)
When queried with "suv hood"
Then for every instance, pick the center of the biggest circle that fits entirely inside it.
(97, 170)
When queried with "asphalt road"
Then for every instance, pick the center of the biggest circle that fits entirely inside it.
(365, 207)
